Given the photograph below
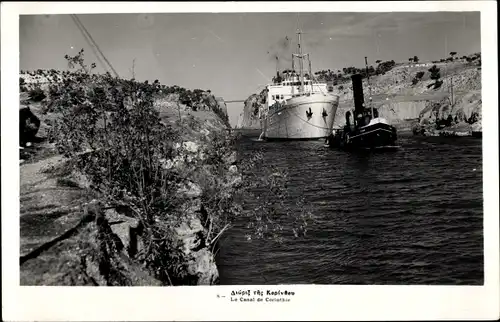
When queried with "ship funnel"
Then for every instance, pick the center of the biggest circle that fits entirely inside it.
(357, 92)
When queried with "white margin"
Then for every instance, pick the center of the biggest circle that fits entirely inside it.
(311, 302)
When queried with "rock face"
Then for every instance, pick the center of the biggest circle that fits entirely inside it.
(29, 124)
(128, 230)
(441, 118)
(192, 235)
(398, 98)
(249, 118)
(115, 249)
(222, 104)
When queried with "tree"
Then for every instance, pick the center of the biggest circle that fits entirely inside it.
(452, 54)
(410, 59)
(378, 61)
(415, 59)
(418, 77)
(435, 74)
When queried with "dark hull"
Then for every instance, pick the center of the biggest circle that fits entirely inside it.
(477, 134)
(378, 136)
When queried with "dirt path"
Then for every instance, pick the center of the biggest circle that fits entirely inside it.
(50, 205)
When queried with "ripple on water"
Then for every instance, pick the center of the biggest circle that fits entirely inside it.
(410, 217)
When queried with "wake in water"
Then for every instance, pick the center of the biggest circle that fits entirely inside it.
(413, 216)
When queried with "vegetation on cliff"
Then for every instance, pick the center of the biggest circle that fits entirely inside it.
(395, 87)
(163, 175)
(344, 76)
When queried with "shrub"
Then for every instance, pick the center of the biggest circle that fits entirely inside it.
(384, 67)
(36, 94)
(123, 150)
(417, 77)
(435, 75)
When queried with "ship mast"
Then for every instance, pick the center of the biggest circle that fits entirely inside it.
(301, 62)
(369, 87)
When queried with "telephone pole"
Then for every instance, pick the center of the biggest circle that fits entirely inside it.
(133, 68)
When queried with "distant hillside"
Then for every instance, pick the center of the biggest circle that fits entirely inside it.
(196, 100)
(401, 91)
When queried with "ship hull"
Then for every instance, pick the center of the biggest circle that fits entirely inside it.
(373, 136)
(302, 118)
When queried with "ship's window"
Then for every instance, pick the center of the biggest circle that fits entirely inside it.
(282, 96)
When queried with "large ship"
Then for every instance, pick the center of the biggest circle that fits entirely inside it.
(298, 107)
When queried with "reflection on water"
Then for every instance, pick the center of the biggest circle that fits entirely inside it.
(408, 217)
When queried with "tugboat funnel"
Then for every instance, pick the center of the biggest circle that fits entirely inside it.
(357, 89)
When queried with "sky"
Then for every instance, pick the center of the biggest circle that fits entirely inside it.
(234, 54)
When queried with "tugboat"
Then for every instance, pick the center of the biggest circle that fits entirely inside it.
(364, 128)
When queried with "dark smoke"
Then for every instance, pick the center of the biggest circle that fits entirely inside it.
(281, 52)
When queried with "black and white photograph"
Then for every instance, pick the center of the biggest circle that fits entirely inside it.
(253, 151)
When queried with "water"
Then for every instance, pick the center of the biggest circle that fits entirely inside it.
(414, 216)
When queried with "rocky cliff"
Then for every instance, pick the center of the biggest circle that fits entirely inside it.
(399, 99)
(249, 118)
(406, 92)
(77, 231)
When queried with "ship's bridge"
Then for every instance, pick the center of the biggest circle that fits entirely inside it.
(280, 92)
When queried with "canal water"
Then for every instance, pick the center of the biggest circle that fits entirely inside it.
(414, 216)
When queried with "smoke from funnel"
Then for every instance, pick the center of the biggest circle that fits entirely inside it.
(281, 51)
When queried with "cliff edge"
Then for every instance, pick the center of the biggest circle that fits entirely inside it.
(122, 183)
(414, 95)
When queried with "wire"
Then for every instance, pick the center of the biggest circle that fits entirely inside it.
(90, 44)
(96, 46)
